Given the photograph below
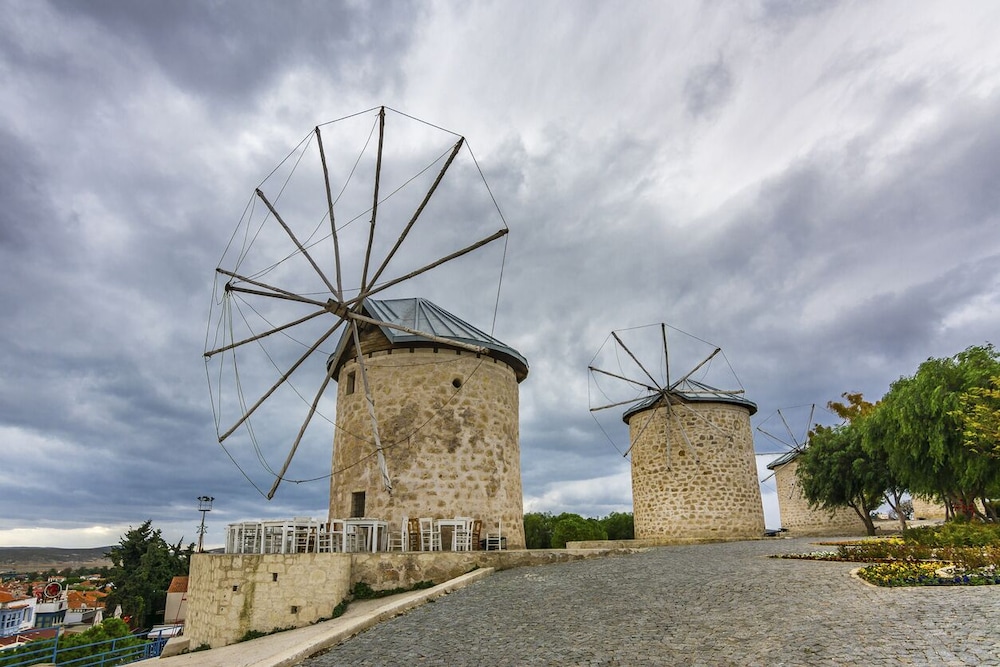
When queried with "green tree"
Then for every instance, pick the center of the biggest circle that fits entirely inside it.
(538, 530)
(979, 416)
(619, 526)
(111, 628)
(918, 426)
(574, 528)
(835, 471)
(142, 566)
(854, 411)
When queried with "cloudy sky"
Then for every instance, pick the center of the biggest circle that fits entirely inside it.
(811, 186)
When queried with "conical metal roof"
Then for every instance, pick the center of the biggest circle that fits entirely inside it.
(692, 391)
(422, 315)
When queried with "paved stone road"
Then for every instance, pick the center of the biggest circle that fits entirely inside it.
(711, 604)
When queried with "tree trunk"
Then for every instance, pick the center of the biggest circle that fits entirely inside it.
(866, 518)
(895, 502)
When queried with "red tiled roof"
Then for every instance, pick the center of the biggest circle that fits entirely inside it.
(178, 585)
(88, 599)
(7, 596)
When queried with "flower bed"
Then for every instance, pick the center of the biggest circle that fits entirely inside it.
(923, 561)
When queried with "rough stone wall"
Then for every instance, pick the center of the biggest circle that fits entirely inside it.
(448, 422)
(928, 509)
(712, 494)
(799, 519)
(231, 594)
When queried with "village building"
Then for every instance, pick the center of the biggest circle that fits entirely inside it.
(16, 613)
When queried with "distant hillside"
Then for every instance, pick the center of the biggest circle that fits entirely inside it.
(32, 559)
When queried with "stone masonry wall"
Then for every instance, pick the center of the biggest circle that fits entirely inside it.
(928, 509)
(231, 594)
(711, 492)
(800, 520)
(448, 421)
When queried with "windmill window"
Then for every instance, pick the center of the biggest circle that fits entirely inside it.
(349, 389)
(358, 504)
(457, 383)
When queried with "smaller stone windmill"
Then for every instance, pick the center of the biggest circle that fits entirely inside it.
(694, 474)
(797, 518)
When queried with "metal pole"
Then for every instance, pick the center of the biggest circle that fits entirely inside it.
(204, 506)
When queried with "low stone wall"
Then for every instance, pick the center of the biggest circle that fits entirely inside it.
(230, 595)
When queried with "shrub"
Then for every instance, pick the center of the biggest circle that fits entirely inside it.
(954, 534)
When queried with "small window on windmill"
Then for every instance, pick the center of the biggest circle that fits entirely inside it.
(349, 389)
(358, 504)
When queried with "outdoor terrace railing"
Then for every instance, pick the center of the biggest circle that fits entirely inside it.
(118, 651)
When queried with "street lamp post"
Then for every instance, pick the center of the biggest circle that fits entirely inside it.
(204, 506)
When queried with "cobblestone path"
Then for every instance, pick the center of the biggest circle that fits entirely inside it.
(710, 604)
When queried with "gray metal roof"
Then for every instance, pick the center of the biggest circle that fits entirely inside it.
(422, 315)
(787, 457)
(693, 392)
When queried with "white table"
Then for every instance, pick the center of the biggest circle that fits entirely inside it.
(375, 530)
(459, 522)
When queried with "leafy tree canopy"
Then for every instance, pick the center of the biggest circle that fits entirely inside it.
(979, 415)
(835, 471)
(919, 427)
(142, 566)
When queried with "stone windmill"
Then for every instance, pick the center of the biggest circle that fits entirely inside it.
(447, 417)
(425, 420)
(797, 517)
(694, 474)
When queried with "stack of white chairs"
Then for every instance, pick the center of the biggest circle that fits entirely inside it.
(399, 540)
(430, 535)
(467, 536)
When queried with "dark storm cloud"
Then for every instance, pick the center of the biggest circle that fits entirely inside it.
(830, 230)
(231, 50)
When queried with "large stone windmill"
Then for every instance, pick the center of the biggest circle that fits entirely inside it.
(693, 470)
(426, 414)
(447, 420)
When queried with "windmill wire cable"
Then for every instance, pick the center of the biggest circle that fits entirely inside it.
(348, 117)
(488, 188)
(413, 118)
(601, 426)
(496, 303)
(350, 175)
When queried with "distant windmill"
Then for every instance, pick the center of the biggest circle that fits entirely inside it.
(790, 429)
(693, 468)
